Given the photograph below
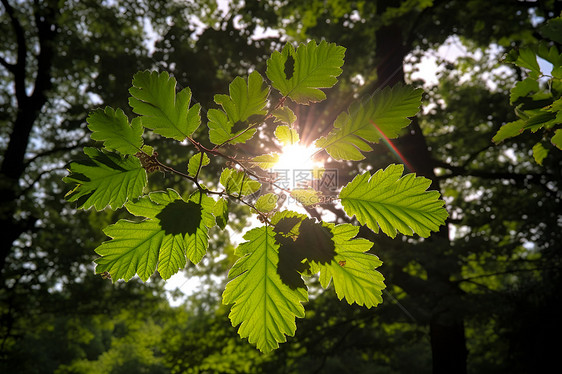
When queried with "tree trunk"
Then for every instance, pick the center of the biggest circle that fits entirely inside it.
(448, 342)
(29, 109)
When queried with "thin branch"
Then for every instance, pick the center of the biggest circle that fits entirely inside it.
(37, 179)
(21, 62)
(52, 151)
(10, 67)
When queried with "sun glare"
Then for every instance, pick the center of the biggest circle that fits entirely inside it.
(296, 159)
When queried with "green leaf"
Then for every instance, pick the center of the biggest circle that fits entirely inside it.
(236, 181)
(266, 203)
(195, 161)
(299, 74)
(113, 128)
(220, 129)
(175, 230)
(394, 203)
(167, 114)
(105, 178)
(509, 130)
(245, 100)
(523, 89)
(539, 153)
(528, 59)
(267, 161)
(557, 139)
(286, 135)
(243, 107)
(284, 115)
(307, 196)
(264, 307)
(221, 212)
(352, 270)
(383, 115)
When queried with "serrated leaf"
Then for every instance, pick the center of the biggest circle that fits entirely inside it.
(352, 270)
(528, 59)
(220, 129)
(284, 115)
(523, 88)
(539, 153)
(265, 162)
(238, 182)
(246, 99)
(264, 307)
(509, 130)
(557, 139)
(307, 196)
(175, 230)
(221, 212)
(167, 114)
(393, 203)
(113, 128)
(286, 135)
(243, 107)
(105, 179)
(298, 74)
(195, 161)
(384, 114)
(266, 203)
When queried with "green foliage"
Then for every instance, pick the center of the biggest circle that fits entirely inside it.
(243, 108)
(105, 179)
(538, 105)
(395, 204)
(298, 74)
(113, 128)
(267, 286)
(173, 229)
(382, 115)
(352, 270)
(167, 114)
(264, 306)
(197, 162)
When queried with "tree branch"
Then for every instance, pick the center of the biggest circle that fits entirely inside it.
(18, 69)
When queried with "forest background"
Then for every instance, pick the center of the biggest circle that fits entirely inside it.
(480, 296)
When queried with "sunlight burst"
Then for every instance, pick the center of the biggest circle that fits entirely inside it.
(295, 160)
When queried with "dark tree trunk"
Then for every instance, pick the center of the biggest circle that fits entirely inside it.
(448, 343)
(29, 109)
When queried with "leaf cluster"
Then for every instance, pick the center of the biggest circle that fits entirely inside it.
(267, 284)
(538, 97)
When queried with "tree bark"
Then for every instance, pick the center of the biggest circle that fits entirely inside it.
(28, 110)
(446, 326)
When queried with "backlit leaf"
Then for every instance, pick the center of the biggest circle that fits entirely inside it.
(385, 114)
(154, 98)
(195, 161)
(394, 203)
(265, 162)
(244, 106)
(105, 179)
(352, 270)
(266, 203)
(174, 231)
(238, 182)
(113, 128)
(286, 135)
(298, 74)
(539, 153)
(264, 307)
